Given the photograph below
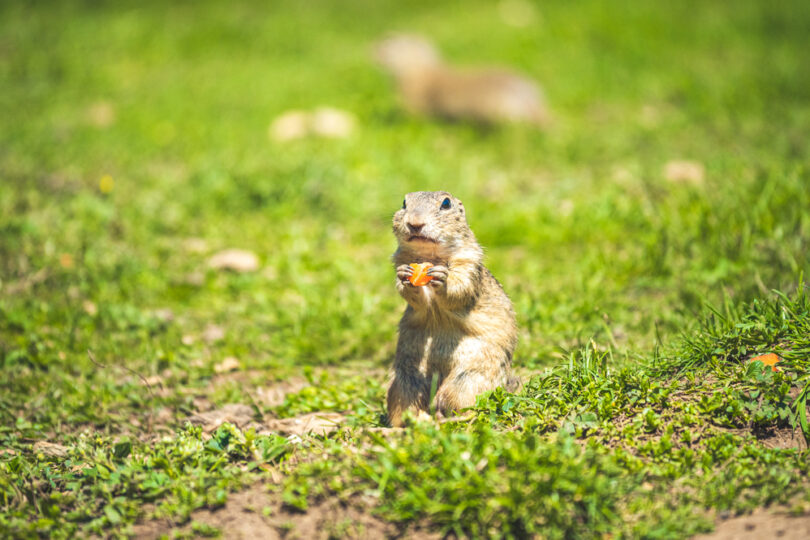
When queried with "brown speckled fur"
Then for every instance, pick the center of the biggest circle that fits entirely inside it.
(460, 326)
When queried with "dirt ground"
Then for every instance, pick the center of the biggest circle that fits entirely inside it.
(761, 524)
(781, 438)
(258, 513)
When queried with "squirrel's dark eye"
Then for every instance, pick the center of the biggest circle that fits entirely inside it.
(403, 204)
(445, 204)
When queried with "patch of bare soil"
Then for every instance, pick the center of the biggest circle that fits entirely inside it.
(761, 524)
(273, 395)
(205, 414)
(257, 513)
(244, 417)
(249, 378)
(781, 438)
(319, 423)
(50, 449)
(235, 413)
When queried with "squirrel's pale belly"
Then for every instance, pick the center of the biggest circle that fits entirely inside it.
(428, 351)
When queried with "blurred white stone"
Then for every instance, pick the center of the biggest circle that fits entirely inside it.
(50, 449)
(684, 171)
(566, 207)
(101, 114)
(289, 126)
(621, 174)
(650, 115)
(164, 314)
(229, 363)
(213, 333)
(90, 308)
(318, 423)
(195, 245)
(273, 395)
(195, 279)
(237, 260)
(331, 122)
(234, 413)
(153, 380)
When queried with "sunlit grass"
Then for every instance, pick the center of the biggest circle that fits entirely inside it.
(134, 146)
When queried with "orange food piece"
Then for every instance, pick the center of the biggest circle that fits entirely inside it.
(769, 359)
(419, 276)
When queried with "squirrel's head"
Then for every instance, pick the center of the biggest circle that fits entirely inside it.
(431, 219)
(405, 55)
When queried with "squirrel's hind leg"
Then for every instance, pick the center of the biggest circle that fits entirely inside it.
(406, 391)
(479, 366)
(459, 391)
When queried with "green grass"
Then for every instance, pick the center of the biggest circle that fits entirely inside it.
(639, 411)
(653, 448)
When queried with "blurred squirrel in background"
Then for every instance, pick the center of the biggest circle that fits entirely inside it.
(481, 95)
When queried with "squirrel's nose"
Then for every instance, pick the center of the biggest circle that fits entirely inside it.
(415, 227)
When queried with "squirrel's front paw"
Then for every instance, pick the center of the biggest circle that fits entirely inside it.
(404, 272)
(439, 275)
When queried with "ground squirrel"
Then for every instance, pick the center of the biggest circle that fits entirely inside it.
(483, 95)
(459, 328)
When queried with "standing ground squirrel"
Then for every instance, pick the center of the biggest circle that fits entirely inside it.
(484, 95)
(459, 328)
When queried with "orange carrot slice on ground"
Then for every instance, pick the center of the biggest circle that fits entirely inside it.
(419, 276)
(769, 359)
